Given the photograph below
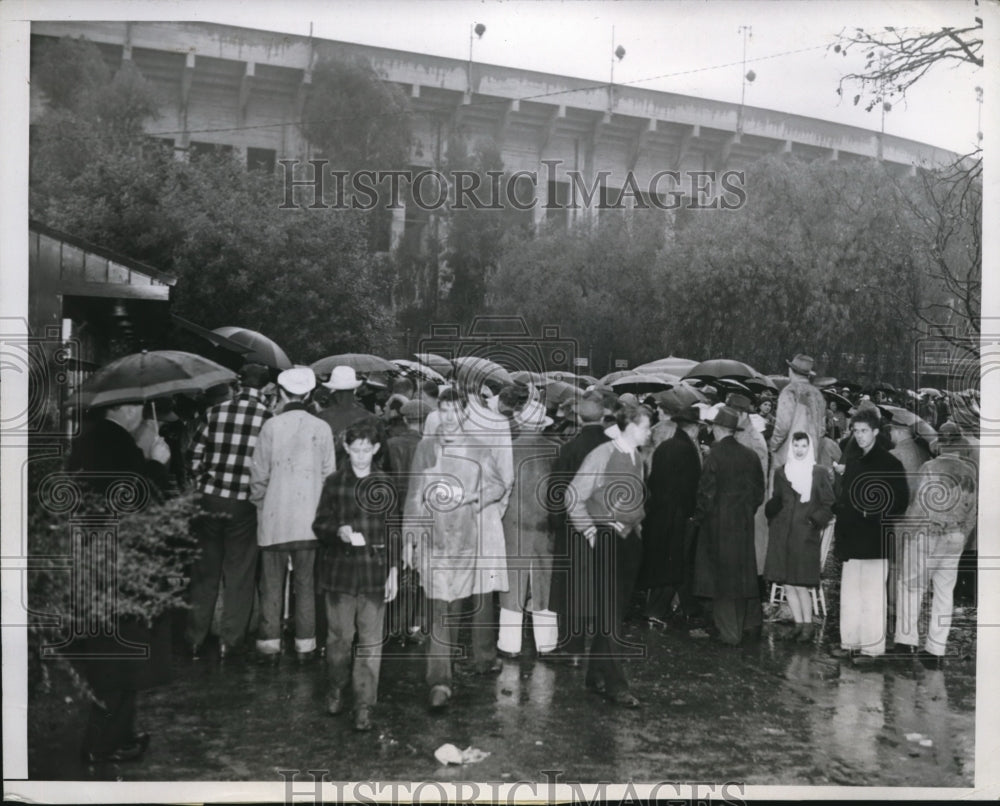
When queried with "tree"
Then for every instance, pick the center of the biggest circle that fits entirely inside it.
(600, 282)
(949, 203)
(897, 58)
(475, 238)
(304, 277)
(356, 120)
(813, 262)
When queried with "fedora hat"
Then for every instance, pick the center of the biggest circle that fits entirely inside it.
(739, 402)
(727, 417)
(691, 414)
(533, 415)
(590, 408)
(802, 364)
(342, 378)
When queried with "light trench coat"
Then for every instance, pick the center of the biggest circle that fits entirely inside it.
(293, 456)
(460, 548)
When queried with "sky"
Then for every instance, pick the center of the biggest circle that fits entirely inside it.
(692, 47)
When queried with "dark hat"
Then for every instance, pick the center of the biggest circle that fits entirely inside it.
(254, 375)
(802, 364)
(739, 402)
(727, 417)
(590, 409)
(414, 410)
(691, 414)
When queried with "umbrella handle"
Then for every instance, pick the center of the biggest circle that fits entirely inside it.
(156, 424)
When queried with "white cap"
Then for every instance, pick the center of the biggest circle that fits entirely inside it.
(297, 380)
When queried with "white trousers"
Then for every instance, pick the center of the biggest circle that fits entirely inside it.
(927, 558)
(863, 606)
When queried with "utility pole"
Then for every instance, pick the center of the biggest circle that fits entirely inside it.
(747, 31)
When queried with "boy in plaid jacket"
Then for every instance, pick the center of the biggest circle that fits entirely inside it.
(357, 569)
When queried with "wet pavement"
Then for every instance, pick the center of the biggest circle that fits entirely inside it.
(770, 712)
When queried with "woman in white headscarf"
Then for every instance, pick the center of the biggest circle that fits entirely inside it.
(798, 511)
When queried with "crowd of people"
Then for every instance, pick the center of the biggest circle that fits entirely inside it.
(421, 509)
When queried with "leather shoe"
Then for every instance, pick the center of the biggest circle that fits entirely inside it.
(494, 668)
(904, 650)
(362, 718)
(194, 651)
(439, 698)
(624, 698)
(335, 702)
(508, 655)
(842, 652)
(596, 686)
(867, 661)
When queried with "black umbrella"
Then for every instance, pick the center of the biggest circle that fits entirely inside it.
(842, 402)
(359, 362)
(721, 368)
(149, 375)
(262, 349)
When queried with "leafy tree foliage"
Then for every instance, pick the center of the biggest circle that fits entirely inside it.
(356, 120)
(601, 283)
(303, 277)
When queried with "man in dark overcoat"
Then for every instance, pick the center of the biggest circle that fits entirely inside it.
(730, 490)
(108, 455)
(571, 555)
(668, 561)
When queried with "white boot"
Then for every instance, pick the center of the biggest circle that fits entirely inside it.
(509, 637)
(546, 628)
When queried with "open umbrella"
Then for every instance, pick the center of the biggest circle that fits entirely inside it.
(586, 380)
(148, 375)
(436, 362)
(422, 370)
(359, 362)
(263, 350)
(760, 383)
(641, 383)
(721, 368)
(780, 381)
(557, 392)
(929, 390)
(672, 365)
(611, 377)
(524, 376)
(474, 370)
(842, 402)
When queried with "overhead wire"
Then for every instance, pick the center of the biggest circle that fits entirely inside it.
(491, 103)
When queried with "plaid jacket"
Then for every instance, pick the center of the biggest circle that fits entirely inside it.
(223, 446)
(370, 506)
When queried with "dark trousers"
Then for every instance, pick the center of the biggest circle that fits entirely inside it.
(446, 618)
(733, 617)
(111, 725)
(227, 538)
(616, 562)
(346, 616)
(572, 589)
(273, 569)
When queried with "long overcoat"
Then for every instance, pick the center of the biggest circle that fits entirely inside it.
(729, 491)
(797, 529)
(457, 553)
(673, 488)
